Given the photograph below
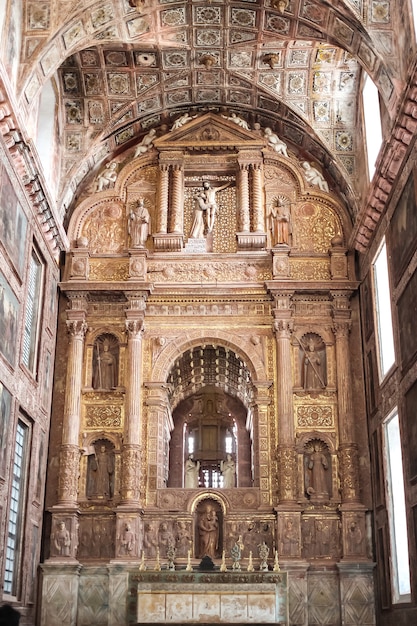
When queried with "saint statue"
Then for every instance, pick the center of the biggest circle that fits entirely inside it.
(139, 224)
(192, 469)
(100, 473)
(104, 366)
(313, 367)
(317, 465)
(208, 532)
(280, 222)
(228, 470)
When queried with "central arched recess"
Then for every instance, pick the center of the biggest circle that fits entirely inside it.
(212, 393)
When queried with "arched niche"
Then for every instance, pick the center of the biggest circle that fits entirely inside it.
(210, 425)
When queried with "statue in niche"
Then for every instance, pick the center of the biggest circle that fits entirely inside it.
(313, 363)
(62, 540)
(317, 471)
(290, 540)
(139, 224)
(100, 472)
(165, 538)
(192, 469)
(127, 540)
(355, 537)
(208, 531)
(150, 542)
(228, 470)
(182, 538)
(206, 199)
(105, 363)
(280, 222)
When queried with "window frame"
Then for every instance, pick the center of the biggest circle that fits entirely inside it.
(396, 507)
(16, 518)
(382, 301)
(32, 318)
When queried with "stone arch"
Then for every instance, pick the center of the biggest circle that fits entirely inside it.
(242, 347)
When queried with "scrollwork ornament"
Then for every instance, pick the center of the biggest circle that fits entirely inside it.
(68, 473)
(287, 472)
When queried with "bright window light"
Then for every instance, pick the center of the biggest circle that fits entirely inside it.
(400, 565)
(382, 303)
(372, 118)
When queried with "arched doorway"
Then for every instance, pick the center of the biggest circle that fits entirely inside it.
(210, 422)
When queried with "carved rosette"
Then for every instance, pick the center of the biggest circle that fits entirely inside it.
(349, 472)
(68, 475)
(287, 473)
(130, 475)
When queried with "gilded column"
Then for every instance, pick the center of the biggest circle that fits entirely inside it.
(131, 451)
(286, 454)
(348, 450)
(258, 214)
(244, 198)
(177, 198)
(70, 449)
(163, 198)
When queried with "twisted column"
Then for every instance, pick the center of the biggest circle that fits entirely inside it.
(177, 198)
(244, 198)
(70, 450)
(163, 197)
(258, 214)
(348, 449)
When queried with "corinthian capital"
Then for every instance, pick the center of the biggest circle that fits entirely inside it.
(134, 327)
(77, 328)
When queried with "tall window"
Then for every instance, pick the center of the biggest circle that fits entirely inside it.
(400, 567)
(414, 11)
(372, 120)
(16, 509)
(33, 303)
(382, 303)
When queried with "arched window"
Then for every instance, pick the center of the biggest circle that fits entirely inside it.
(46, 132)
(372, 123)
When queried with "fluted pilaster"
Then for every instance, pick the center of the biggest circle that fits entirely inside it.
(286, 456)
(348, 452)
(163, 197)
(131, 451)
(70, 452)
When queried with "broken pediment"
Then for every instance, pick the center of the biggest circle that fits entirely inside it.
(210, 132)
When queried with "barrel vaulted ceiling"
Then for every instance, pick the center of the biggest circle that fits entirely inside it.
(122, 67)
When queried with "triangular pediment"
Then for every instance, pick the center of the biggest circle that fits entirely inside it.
(209, 131)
